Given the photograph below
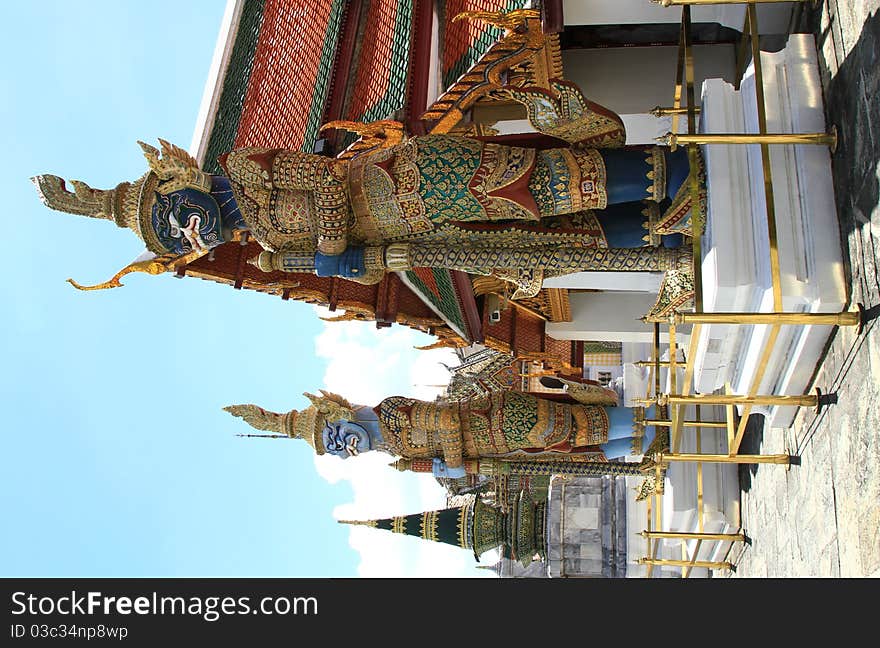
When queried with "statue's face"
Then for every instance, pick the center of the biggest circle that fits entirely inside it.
(187, 220)
(345, 439)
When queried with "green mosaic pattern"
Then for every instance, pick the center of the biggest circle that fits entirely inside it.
(395, 96)
(235, 85)
(325, 73)
(602, 347)
(520, 414)
(446, 166)
(447, 303)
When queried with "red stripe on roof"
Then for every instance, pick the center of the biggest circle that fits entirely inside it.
(460, 36)
(373, 69)
(282, 83)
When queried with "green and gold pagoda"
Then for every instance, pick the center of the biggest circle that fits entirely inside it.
(478, 526)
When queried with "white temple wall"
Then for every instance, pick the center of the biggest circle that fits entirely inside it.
(607, 316)
(619, 281)
(633, 80)
(773, 18)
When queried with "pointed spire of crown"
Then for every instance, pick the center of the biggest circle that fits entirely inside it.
(130, 204)
(304, 424)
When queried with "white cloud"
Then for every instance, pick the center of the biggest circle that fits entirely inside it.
(366, 365)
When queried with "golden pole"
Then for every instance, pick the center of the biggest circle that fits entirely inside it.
(804, 400)
(679, 71)
(697, 424)
(733, 537)
(656, 358)
(828, 139)
(709, 564)
(736, 459)
(650, 363)
(667, 3)
(661, 111)
(846, 318)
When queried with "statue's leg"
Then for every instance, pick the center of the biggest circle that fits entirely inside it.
(627, 225)
(677, 169)
(621, 441)
(632, 175)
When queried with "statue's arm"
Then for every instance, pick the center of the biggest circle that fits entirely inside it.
(359, 264)
(327, 178)
(451, 445)
(445, 421)
(295, 170)
(417, 422)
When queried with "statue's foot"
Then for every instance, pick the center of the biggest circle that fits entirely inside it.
(676, 292)
(678, 217)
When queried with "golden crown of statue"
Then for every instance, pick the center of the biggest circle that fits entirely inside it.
(304, 424)
(129, 204)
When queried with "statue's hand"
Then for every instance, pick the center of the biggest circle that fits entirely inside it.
(348, 264)
(440, 469)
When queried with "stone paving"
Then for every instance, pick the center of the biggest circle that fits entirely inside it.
(821, 518)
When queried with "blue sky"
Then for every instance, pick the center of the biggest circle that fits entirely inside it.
(117, 459)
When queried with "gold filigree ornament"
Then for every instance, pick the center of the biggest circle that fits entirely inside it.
(130, 205)
(515, 21)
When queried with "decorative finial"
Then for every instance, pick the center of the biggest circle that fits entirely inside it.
(512, 21)
(263, 261)
(670, 140)
(258, 418)
(151, 266)
(366, 523)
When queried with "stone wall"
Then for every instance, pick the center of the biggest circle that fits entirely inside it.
(586, 528)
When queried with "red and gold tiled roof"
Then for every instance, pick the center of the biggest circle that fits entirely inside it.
(290, 77)
(383, 63)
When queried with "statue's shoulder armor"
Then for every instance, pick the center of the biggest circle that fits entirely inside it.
(394, 412)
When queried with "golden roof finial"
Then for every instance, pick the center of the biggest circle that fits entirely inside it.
(511, 21)
(154, 266)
